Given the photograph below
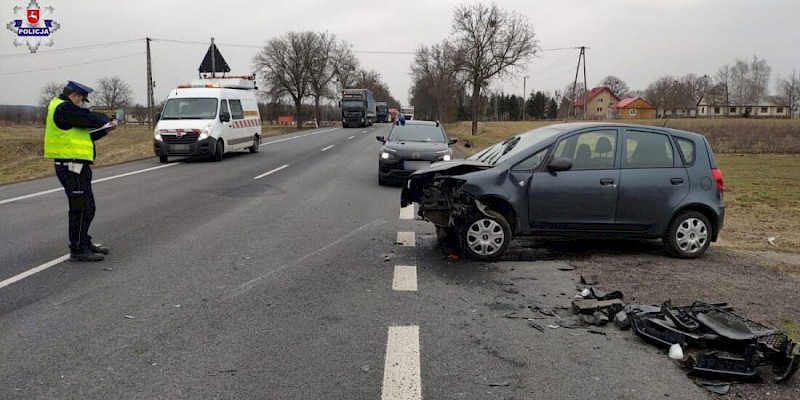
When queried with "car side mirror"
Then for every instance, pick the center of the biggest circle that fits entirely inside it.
(381, 139)
(453, 141)
(224, 116)
(560, 164)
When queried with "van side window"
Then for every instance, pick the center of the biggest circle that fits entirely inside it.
(236, 109)
(223, 107)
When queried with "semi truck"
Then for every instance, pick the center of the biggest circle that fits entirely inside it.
(408, 112)
(382, 111)
(358, 108)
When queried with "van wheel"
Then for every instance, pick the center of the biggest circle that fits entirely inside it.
(256, 144)
(218, 150)
(163, 159)
(485, 237)
(688, 236)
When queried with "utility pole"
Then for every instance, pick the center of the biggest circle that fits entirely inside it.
(581, 56)
(150, 105)
(524, 95)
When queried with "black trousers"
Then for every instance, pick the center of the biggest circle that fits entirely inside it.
(81, 205)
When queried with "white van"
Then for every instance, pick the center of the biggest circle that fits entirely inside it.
(209, 117)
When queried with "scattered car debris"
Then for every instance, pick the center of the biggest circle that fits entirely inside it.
(567, 268)
(589, 279)
(365, 369)
(504, 383)
(715, 387)
(771, 241)
(536, 326)
(130, 317)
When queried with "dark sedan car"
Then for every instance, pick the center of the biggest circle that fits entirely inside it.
(577, 180)
(411, 145)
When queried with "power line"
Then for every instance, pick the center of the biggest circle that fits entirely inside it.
(72, 65)
(70, 49)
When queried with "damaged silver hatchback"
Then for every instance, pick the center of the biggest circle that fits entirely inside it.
(577, 180)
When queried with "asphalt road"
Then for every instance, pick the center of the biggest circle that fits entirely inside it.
(223, 286)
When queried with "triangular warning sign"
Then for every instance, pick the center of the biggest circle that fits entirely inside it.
(219, 62)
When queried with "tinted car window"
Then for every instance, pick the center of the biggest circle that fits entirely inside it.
(416, 133)
(589, 150)
(686, 147)
(647, 150)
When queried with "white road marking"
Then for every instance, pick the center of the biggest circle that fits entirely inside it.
(407, 212)
(328, 148)
(406, 239)
(271, 172)
(401, 370)
(30, 272)
(351, 137)
(327, 130)
(28, 196)
(363, 131)
(405, 278)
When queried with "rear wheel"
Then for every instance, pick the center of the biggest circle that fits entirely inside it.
(163, 159)
(218, 150)
(256, 144)
(688, 236)
(381, 181)
(485, 237)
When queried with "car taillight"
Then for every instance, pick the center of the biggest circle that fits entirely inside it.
(718, 177)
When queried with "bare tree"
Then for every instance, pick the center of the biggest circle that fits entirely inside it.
(617, 86)
(48, 92)
(723, 79)
(346, 69)
(665, 94)
(494, 42)
(323, 64)
(436, 80)
(696, 87)
(112, 92)
(758, 83)
(140, 114)
(372, 81)
(789, 92)
(740, 76)
(571, 92)
(284, 63)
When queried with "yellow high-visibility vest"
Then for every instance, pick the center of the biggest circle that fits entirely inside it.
(74, 143)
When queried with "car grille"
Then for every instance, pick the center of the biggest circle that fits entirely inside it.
(352, 114)
(187, 138)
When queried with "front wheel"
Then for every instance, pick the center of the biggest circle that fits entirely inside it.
(163, 159)
(256, 145)
(485, 237)
(688, 236)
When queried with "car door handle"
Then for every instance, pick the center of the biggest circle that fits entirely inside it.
(676, 181)
(606, 181)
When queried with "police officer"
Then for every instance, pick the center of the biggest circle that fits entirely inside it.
(69, 135)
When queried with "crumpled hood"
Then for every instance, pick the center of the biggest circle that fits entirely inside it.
(412, 190)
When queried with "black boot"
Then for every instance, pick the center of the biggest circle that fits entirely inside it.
(86, 255)
(96, 248)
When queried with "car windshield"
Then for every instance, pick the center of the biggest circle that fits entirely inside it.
(352, 103)
(509, 147)
(417, 133)
(190, 108)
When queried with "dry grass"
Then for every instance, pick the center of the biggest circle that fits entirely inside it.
(21, 149)
(761, 189)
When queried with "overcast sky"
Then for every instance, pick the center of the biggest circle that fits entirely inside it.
(636, 40)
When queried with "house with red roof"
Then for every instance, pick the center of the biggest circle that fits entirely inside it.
(634, 108)
(599, 104)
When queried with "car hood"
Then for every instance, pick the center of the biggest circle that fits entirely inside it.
(412, 190)
(416, 146)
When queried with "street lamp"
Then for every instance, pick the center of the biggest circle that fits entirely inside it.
(524, 94)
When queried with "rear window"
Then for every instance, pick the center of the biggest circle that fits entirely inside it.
(687, 150)
(647, 150)
(416, 133)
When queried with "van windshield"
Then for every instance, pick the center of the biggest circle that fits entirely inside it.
(190, 108)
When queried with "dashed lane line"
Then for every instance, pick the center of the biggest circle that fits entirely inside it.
(407, 239)
(351, 137)
(401, 371)
(32, 271)
(407, 212)
(328, 148)
(271, 172)
(405, 278)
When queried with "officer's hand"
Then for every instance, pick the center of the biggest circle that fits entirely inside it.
(113, 123)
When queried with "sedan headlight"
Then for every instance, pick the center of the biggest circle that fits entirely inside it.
(204, 134)
(157, 135)
(386, 156)
(446, 157)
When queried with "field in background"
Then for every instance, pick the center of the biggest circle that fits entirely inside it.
(21, 149)
(761, 190)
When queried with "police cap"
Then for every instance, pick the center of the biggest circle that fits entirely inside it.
(80, 89)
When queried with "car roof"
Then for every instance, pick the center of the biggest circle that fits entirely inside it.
(579, 125)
